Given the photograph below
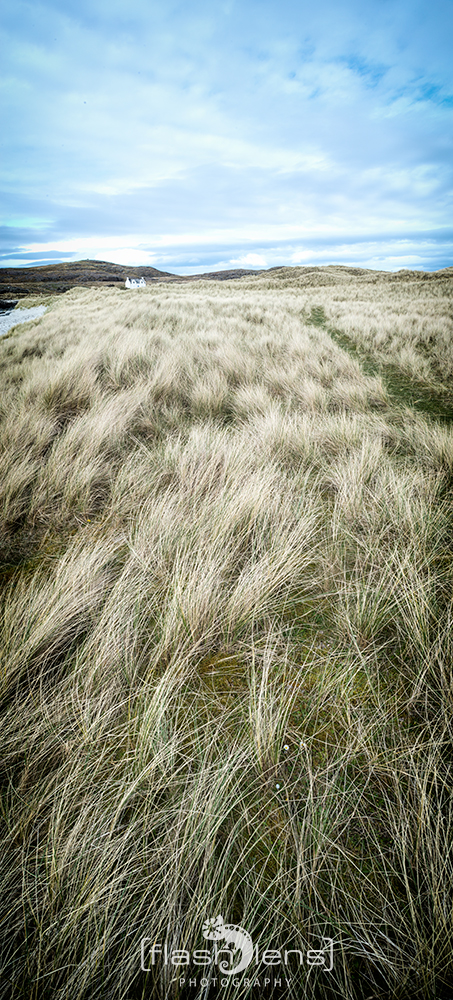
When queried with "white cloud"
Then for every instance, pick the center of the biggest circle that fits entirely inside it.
(129, 256)
(225, 127)
(249, 260)
(301, 256)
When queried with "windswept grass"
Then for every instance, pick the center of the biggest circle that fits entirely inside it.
(226, 667)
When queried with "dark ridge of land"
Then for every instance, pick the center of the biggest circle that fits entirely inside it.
(18, 282)
(51, 279)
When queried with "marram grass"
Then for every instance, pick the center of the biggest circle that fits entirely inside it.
(226, 663)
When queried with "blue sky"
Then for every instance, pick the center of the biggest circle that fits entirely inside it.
(198, 136)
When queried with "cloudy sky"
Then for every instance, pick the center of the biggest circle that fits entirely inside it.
(209, 134)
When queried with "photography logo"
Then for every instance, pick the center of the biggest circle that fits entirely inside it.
(216, 930)
(232, 952)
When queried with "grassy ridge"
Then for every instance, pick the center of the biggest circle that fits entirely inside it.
(226, 666)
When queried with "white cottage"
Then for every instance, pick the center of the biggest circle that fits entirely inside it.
(135, 283)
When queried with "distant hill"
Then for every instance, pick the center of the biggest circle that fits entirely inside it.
(17, 282)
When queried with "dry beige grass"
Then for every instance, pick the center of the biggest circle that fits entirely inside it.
(403, 319)
(226, 667)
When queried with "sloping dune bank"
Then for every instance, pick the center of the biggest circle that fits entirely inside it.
(226, 584)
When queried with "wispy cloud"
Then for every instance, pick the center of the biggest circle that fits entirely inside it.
(230, 125)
